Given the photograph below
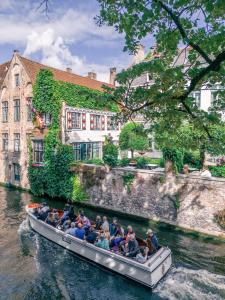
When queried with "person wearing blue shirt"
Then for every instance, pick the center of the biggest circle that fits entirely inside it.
(152, 242)
(113, 227)
(72, 230)
(80, 232)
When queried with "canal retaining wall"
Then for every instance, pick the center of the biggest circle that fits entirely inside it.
(187, 201)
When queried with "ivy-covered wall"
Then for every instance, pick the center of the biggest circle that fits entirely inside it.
(54, 177)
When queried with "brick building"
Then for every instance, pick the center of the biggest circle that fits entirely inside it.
(16, 81)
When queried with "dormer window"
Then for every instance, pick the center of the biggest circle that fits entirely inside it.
(17, 80)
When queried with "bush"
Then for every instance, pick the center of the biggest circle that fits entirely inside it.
(217, 171)
(176, 156)
(110, 154)
(192, 159)
(94, 161)
(162, 163)
(141, 162)
(124, 162)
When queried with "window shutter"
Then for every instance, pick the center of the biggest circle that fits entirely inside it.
(91, 121)
(69, 123)
(103, 122)
(108, 122)
(83, 121)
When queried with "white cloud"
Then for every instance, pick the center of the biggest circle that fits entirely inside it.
(57, 54)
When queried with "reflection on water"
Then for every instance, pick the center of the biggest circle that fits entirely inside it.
(35, 268)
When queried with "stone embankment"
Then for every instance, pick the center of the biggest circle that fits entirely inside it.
(187, 201)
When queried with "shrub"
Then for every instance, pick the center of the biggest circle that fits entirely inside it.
(110, 154)
(124, 162)
(141, 162)
(78, 194)
(192, 159)
(162, 162)
(128, 179)
(176, 156)
(217, 171)
(94, 161)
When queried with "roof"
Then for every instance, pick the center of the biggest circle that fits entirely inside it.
(3, 70)
(33, 69)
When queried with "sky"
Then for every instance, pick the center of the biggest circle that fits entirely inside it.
(67, 37)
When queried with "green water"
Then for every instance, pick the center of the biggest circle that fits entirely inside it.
(32, 267)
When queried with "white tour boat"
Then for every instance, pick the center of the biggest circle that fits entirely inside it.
(148, 273)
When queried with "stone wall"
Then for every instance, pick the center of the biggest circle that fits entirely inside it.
(186, 201)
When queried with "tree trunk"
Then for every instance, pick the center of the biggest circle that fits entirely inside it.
(132, 153)
(202, 157)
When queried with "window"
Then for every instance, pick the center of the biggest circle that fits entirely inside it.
(17, 80)
(16, 171)
(84, 151)
(5, 141)
(29, 110)
(76, 120)
(47, 119)
(16, 110)
(38, 151)
(5, 110)
(197, 96)
(95, 122)
(111, 123)
(16, 142)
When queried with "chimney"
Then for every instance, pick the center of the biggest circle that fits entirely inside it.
(112, 75)
(92, 75)
(139, 55)
(69, 70)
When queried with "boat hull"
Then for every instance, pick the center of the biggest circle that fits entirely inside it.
(148, 274)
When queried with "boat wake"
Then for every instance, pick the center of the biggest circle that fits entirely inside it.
(24, 227)
(183, 283)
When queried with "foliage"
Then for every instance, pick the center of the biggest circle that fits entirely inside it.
(220, 218)
(133, 137)
(171, 23)
(124, 162)
(192, 159)
(94, 161)
(217, 171)
(141, 162)
(128, 179)
(176, 156)
(78, 193)
(110, 153)
(55, 178)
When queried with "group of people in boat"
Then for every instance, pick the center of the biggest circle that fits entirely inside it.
(101, 233)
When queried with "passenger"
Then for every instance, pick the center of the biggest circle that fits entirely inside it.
(55, 215)
(65, 215)
(78, 219)
(113, 227)
(142, 256)
(133, 247)
(50, 219)
(86, 222)
(103, 242)
(107, 234)
(105, 224)
(43, 211)
(117, 239)
(71, 213)
(124, 243)
(120, 231)
(80, 232)
(98, 223)
(72, 229)
(66, 225)
(92, 235)
(152, 242)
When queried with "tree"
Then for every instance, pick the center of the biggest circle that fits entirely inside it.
(110, 153)
(191, 138)
(133, 137)
(196, 25)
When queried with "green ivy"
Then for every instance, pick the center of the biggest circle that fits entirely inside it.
(54, 178)
(128, 179)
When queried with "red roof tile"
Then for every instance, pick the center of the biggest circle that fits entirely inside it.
(33, 68)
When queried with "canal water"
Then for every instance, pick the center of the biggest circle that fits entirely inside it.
(33, 268)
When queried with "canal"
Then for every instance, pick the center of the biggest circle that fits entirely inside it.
(33, 268)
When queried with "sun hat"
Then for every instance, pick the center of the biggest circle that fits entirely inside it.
(149, 231)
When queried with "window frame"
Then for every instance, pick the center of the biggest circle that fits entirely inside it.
(17, 110)
(77, 116)
(17, 79)
(86, 150)
(5, 111)
(97, 117)
(16, 142)
(38, 151)
(17, 172)
(197, 101)
(5, 141)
